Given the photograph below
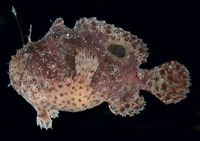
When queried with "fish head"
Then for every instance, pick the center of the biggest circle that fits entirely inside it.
(119, 53)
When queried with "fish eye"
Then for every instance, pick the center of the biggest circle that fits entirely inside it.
(117, 50)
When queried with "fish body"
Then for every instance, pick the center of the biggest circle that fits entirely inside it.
(77, 69)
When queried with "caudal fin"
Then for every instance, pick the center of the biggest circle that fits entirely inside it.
(169, 82)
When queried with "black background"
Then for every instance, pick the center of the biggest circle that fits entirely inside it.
(170, 30)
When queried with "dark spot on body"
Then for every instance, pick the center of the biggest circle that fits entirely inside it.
(127, 105)
(122, 109)
(181, 73)
(68, 85)
(131, 112)
(164, 86)
(162, 72)
(141, 50)
(170, 72)
(50, 90)
(170, 78)
(80, 81)
(156, 79)
(159, 95)
(137, 42)
(125, 97)
(60, 86)
(117, 50)
(184, 84)
(68, 101)
(178, 67)
(43, 115)
(61, 94)
(157, 88)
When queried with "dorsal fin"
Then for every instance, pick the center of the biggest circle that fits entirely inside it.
(15, 14)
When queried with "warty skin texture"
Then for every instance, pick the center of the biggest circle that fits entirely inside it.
(76, 69)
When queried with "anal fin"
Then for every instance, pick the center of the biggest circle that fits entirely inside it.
(128, 104)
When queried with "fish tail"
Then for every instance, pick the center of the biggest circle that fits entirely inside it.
(169, 82)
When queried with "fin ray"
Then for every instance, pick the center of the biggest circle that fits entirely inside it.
(86, 65)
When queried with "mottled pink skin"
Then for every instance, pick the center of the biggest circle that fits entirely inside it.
(40, 69)
(55, 49)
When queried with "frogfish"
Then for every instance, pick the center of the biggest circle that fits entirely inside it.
(77, 69)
